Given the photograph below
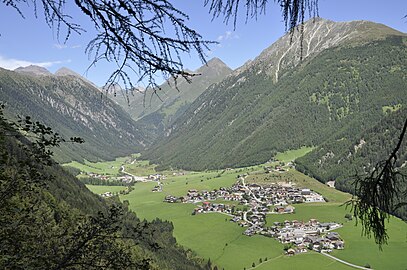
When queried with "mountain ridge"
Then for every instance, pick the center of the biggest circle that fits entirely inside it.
(72, 107)
(243, 119)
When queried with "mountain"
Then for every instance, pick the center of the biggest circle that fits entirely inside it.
(171, 96)
(348, 73)
(72, 107)
(156, 111)
(33, 71)
(68, 72)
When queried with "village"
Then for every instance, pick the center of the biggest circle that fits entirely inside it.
(251, 203)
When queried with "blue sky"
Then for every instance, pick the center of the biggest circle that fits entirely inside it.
(30, 41)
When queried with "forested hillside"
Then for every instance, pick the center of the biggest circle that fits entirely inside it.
(245, 119)
(357, 153)
(49, 220)
(73, 107)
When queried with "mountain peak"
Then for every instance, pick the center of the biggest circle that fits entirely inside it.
(33, 70)
(216, 61)
(64, 71)
(213, 64)
(316, 35)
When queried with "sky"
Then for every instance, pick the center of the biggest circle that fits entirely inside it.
(29, 40)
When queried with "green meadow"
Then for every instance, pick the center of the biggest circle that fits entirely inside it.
(105, 168)
(212, 236)
(102, 189)
(291, 155)
(132, 165)
(141, 168)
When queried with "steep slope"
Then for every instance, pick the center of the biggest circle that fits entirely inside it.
(356, 153)
(169, 98)
(176, 101)
(349, 72)
(50, 220)
(72, 107)
(154, 112)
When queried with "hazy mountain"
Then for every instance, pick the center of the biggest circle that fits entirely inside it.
(67, 72)
(156, 111)
(171, 96)
(33, 70)
(350, 71)
(72, 107)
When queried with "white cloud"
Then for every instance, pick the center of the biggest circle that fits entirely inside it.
(228, 35)
(64, 46)
(10, 63)
(60, 46)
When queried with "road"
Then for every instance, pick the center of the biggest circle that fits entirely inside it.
(345, 262)
(250, 191)
(137, 178)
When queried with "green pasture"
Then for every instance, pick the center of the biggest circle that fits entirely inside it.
(104, 168)
(103, 189)
(214, 236)
(358, 250)
(310, 260)
(141, 168)
(291, 155)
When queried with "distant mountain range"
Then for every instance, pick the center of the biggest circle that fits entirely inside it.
(157, 111)
(72, 106)
(348, 82)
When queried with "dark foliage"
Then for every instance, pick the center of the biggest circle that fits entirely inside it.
(49, 220)
(380, 193)
(293, 11)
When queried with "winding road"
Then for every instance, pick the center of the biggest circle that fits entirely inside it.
(345, 262)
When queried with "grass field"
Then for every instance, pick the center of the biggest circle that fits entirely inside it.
(103, 189)
(358, 249)
(105, 167)
(141, 168)
(213, 236)
(112, 168)
(291, 155)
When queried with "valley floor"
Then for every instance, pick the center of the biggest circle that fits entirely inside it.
(212, 236)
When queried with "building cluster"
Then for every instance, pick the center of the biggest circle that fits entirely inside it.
(256, 201)
(214, 207)
(156, 177)
(304, 236)
(107, 194)
(275, 197)
(124, 178)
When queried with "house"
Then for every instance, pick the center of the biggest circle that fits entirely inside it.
(333, 236)
(331, 184)
(339, 244)
(106, 194)
(170, 199)
(290, 252)
(289, 209)
(279, 209)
